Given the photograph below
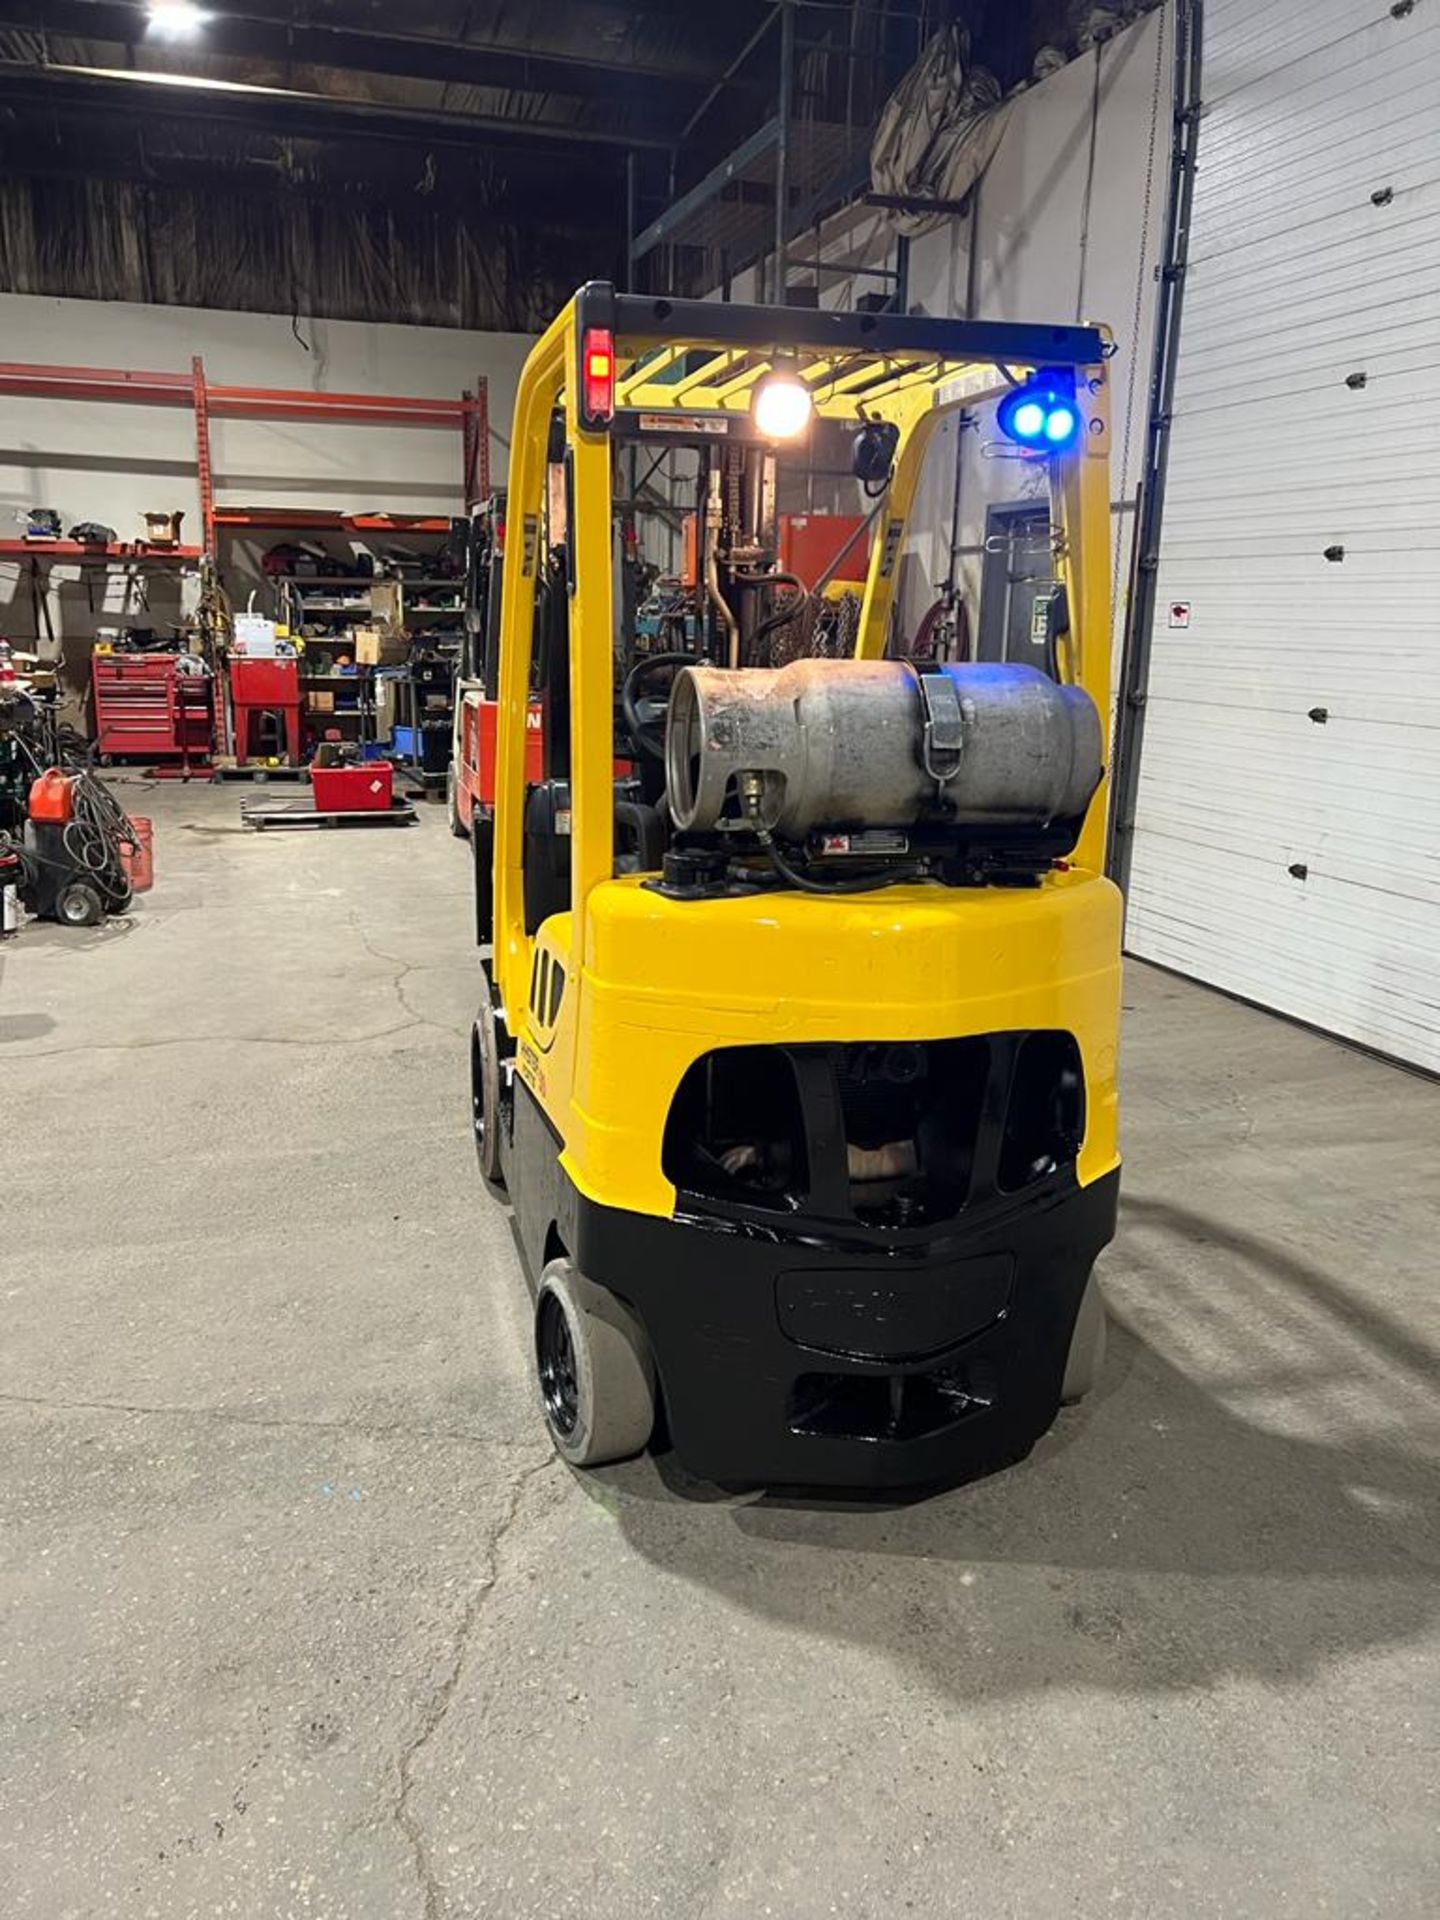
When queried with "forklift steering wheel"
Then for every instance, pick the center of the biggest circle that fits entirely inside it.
(647, 730)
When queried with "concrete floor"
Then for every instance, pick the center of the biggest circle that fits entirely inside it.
(298, 1614)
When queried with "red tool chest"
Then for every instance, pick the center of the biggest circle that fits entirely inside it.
(145, 705)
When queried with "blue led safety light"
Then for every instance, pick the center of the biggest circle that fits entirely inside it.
(1041, 413)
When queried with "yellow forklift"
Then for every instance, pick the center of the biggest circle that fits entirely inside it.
(796, 1056)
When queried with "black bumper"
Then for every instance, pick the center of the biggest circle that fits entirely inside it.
(808, 1362)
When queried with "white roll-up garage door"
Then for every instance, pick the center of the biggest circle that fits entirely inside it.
(1287, 842)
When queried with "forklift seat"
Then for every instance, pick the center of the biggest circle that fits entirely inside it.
(640, 840)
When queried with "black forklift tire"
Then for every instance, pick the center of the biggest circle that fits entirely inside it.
(1087, 1346)
(452, 806)
(78, 904)
(485, 1088)
(593, 1363)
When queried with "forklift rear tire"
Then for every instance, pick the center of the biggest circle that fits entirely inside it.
(597, 1379)
(79, 905)
(1087, 1346)
(485, 1114)
(452, 807)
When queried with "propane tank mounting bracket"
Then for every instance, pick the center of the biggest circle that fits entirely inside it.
(943, 731)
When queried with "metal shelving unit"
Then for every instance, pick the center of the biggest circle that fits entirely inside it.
(207, 401)
(125, 551)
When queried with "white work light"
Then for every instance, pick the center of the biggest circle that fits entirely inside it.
(782, 405)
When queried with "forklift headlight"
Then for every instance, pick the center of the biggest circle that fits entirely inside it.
(1041, 414)
(782, 406)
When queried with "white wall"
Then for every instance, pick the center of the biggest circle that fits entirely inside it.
(110, 463)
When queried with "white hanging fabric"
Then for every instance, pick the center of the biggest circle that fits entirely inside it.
(939, 129)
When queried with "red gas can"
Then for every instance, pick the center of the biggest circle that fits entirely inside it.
(52, 795)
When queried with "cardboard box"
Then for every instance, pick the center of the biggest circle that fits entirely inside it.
(385, 603)
(375, 647)
(320, 702)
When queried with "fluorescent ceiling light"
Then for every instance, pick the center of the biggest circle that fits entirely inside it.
(142, 77)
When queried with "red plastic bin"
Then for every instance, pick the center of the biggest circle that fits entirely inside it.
(363, 789)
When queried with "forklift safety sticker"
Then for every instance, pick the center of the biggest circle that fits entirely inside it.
(530, 544)
(874, 840)
(1179, 613)
(891, 547)
(682, 423)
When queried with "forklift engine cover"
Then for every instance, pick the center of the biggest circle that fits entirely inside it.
(877, 743)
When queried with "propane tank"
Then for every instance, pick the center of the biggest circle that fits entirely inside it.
(876, 743)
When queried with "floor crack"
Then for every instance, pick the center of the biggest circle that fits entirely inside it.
(439, 1703)
(403, 970)
(365, 1430)
(227, 1039)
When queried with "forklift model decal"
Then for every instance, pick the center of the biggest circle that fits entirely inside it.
(891, 547)
(530, 543)
(683, 423)
(528, 1061)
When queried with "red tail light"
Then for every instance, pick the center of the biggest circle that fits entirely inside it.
(597, 375)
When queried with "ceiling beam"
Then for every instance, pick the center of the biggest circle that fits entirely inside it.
(470, 185)
(294, 110)
(251, 31)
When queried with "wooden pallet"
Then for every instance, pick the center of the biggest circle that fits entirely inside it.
(259, 813)
(251, 770)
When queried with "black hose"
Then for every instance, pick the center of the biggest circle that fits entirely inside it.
(852, 883)
(780, 618)
(770, 580)
(97, 830)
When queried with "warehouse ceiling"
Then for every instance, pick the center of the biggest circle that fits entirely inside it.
(459, 162)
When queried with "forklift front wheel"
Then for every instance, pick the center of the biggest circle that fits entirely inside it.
(1087, 1346)
(79, 905)
(485, 1095)
(597, 1379)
